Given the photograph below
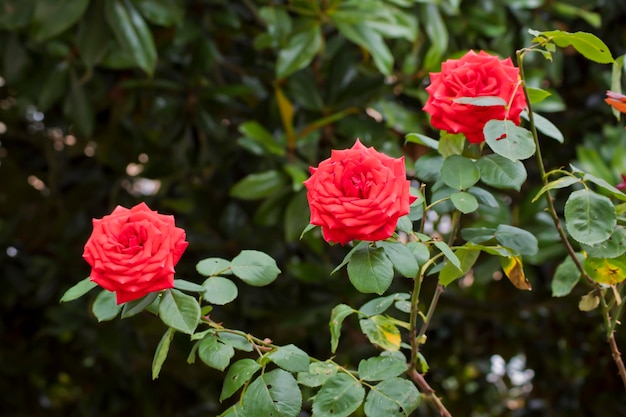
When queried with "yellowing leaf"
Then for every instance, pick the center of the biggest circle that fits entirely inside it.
(382, 331)
(606, 270)
(512, 266)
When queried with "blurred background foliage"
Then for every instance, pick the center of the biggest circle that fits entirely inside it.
(212, 110)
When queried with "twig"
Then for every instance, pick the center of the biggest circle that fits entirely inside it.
(615, 353)
(428, 393)
(617, 357)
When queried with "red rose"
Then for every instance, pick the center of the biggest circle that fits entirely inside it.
(133, 252)
(358, 193)
(474, 75)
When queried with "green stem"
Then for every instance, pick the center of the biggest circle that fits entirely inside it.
(429, 315)
(610, 326)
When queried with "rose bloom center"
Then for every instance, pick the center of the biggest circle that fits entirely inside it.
(357, 185)
(132, 238)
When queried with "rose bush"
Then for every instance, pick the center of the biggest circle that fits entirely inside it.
(474, 75)
(133, 251)
(358, 194)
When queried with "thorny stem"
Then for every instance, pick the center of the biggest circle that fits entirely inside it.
(429, 314)
(417, 337)
(428, 393)
(610, 325)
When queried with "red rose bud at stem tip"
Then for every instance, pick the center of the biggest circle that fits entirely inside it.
(474, 75)
(358, 194)
(133, 251)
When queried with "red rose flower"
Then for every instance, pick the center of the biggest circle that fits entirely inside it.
(133, 252)
(358, 193)
(474, 75)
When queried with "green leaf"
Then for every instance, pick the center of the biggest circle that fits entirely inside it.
(483, 196)
(545, 126)
(55, 86)
(467, 258)
(589, 217)
(257, 133)
(500, 172)
(370, 40)
(464, 202)
(235, 410)
(401, 258)
(478, 234)
(238, 374)
(459, 172)
(275, 393)
(215, 353)
(52, 17)
(422, 140)
(556, 184)
(405, 225)
(255, 268)
(337, 315)
(279, 25)
(484, 101)
(236, 341)
(380, 304)
(451, 144)
(445, 249)
(93, 38)
(183, 285)
(613, 247)
(78, 108)
(290, 358)
(381, 367)
(395, 397)
(213, 266)
(340, 396)
(370, 270)
(381, 331)
(299, 52)
(180, 311)
(161, 12)
(605, 186)
(78, 290)
(105, 307)
(420, 252)
(132, 33)
(258, 185)
(346, 259)
(509, 140)
(318, 373)
(517, 239)
(428, 167)
(296, 216)
(16, 14)
(161, 352)
(437, 34)
(537, 95)
(135, 307)
(589, 46)
(566, 277)
(219, 290)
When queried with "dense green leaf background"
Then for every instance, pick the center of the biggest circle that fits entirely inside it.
(212, 110)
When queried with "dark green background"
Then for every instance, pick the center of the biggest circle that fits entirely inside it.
(65, 70)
